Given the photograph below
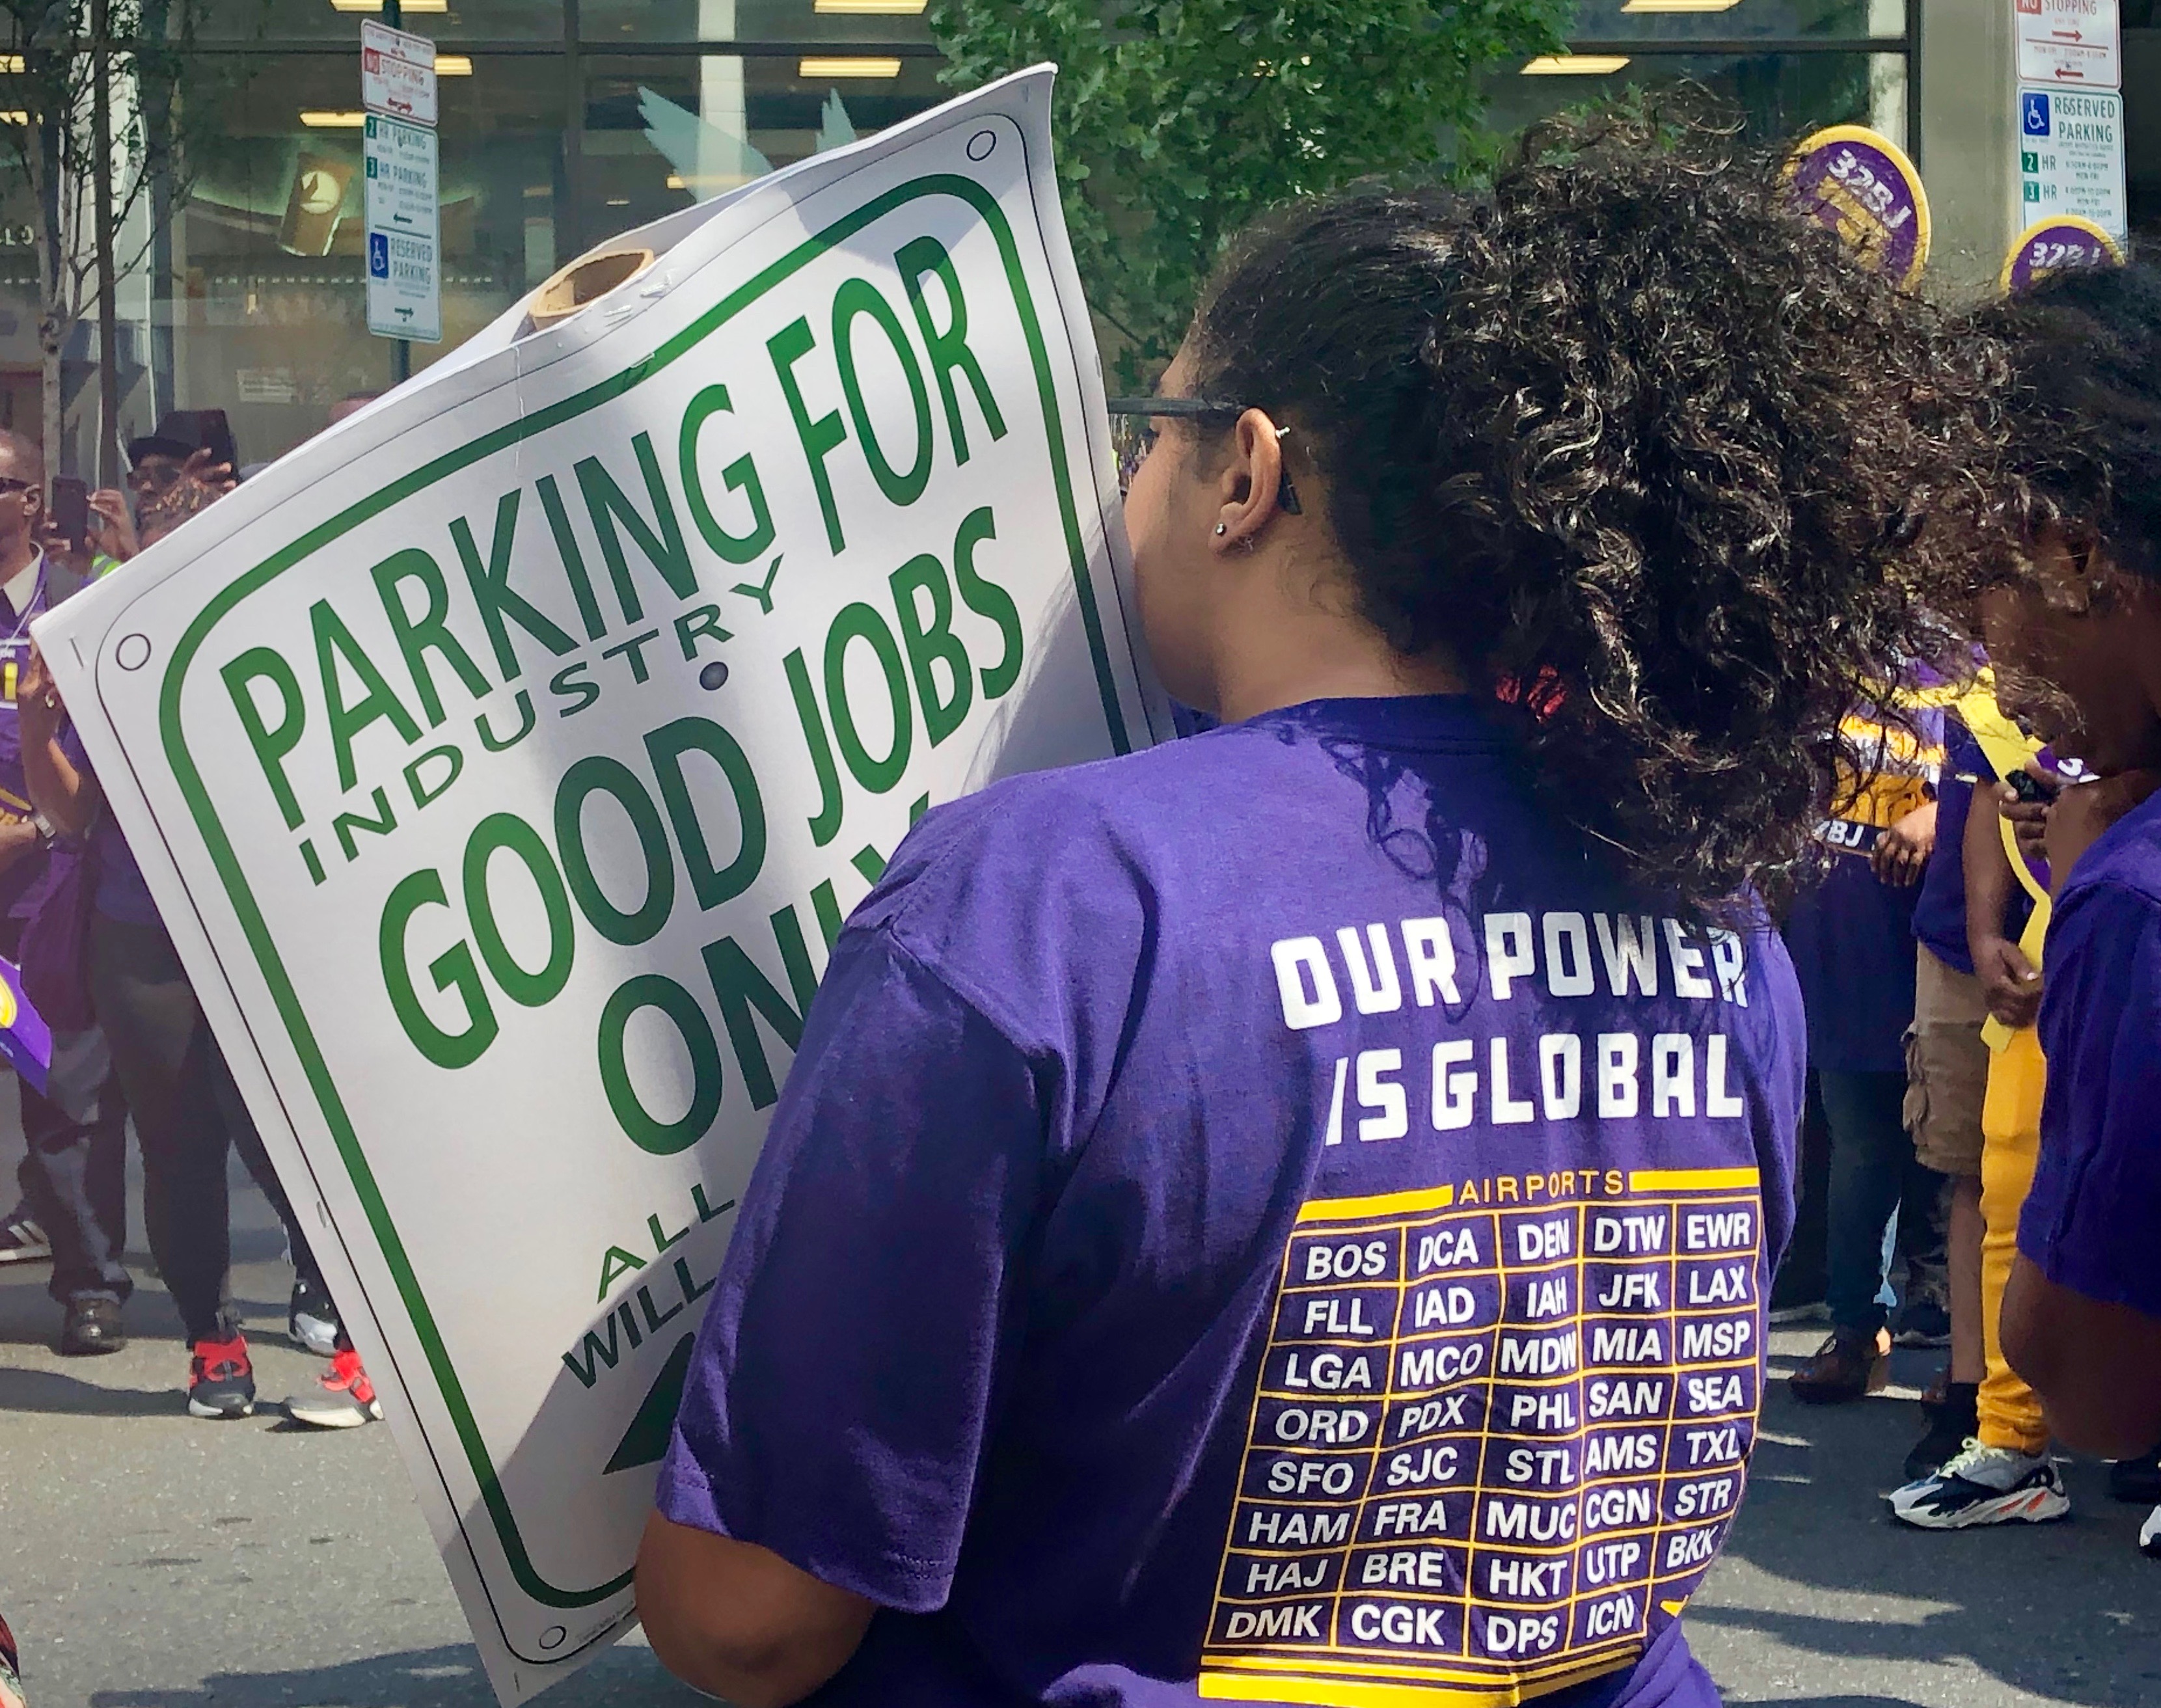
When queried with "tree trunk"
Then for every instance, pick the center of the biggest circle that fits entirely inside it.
(55, 315)
(108, 316)
(158, 166)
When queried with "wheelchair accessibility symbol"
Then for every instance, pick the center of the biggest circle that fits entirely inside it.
(378, 255)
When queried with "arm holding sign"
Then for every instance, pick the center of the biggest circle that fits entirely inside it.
(67, 796)
(831, 1441)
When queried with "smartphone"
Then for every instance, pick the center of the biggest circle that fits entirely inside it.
(71, 509)
(2028, 787)
(212, 430)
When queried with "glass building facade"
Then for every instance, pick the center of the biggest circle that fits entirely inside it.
(563, 122)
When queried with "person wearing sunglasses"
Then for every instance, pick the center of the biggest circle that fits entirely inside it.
(1284, 1216)
(73, 1173)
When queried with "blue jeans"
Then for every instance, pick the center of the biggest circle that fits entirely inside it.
(1872, 1170)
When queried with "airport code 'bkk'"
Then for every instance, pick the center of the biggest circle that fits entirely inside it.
(1497, 1434)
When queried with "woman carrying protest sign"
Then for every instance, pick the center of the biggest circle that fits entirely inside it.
(1285, 1217)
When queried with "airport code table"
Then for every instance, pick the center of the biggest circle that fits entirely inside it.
(1496, 1444)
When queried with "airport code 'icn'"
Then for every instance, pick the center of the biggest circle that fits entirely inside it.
(1493, 1448)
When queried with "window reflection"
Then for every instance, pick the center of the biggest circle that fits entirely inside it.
(662, 133)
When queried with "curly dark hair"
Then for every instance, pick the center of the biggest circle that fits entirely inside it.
(2082, 456)
(1643, 446)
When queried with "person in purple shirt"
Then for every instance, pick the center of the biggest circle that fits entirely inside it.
(2075, 626)
(74, 1169)
(1288, 1213)
(1850, 934)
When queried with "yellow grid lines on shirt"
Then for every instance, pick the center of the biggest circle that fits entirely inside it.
(1397, 1211)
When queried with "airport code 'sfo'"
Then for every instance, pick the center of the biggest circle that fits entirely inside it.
(1497, 1437)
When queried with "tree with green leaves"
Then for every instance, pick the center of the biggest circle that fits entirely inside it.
(98, 131)
(1177, 121)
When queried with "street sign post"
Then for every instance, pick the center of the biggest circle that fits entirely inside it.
(397, 73)
(504, 761)
(2070, 158)
(2070, 43)
(404, 281)
(403, 191)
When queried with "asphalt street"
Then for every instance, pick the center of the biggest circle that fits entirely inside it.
(148, 1560)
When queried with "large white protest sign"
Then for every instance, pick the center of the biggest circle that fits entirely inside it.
(504, 761)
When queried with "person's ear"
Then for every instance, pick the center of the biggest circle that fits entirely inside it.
(33, 504)
(1250, 484)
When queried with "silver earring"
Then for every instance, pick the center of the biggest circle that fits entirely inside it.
(1222, 528)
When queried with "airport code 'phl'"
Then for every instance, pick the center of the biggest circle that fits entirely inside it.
(1492, 1447)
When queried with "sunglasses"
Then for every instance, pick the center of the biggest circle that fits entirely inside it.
(1134, 432)
(10, 487)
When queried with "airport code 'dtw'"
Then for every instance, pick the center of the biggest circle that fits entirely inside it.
(1493, 1447)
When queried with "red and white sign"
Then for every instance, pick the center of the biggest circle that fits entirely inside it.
(2071, 44)
(397, 72)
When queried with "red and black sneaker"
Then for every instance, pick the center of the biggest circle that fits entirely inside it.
(221, 1382)
(344, 1399)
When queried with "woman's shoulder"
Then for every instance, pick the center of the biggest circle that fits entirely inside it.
(1042, 875)
(1042, 824)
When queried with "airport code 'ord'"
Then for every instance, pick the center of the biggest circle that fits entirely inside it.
(1492, 1447)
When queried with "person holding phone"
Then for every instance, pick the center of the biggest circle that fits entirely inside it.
(73, 1172)
(188, 446)
(1088, 1333)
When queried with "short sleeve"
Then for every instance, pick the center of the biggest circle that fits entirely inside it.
(844, 1379)
(2092, 1221)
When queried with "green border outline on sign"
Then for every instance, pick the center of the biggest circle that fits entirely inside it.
(244, 906)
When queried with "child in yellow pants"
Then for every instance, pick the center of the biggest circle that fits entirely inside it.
(2004, 1474)
(2011, 1137)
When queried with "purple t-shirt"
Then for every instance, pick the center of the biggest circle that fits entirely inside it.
(122, 894)
(1852, 935)
(1268, 1207)
(2091, 1214)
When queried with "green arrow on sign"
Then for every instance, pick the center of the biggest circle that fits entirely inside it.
(646, 1440)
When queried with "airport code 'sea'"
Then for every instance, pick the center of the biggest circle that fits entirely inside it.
(1496, 1444)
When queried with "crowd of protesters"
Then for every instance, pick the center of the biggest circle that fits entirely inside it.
(128, 1037)
(1600, 542)
(1967, 1090)
(1612, 545)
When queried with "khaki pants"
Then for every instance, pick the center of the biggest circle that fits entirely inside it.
(1946, 1068)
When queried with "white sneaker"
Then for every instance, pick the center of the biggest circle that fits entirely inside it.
(2149, 1535)
(22, 1240)
(312, 1320)
(1983, 1486)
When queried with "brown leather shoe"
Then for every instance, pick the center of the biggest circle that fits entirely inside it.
(1847, 1366)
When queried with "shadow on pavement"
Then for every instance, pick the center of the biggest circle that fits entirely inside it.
(2062, 1610)
(445, 1677)
(50, 1390)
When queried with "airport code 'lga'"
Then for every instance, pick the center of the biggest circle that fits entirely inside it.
(1492, 1447)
